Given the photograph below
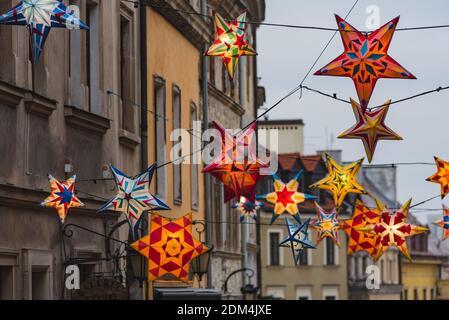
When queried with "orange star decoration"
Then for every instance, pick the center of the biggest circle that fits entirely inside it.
(444, 223)
(370, 127)
(230, 43)
(393, 230)
(340, 180)
(442, 176)
(169, 247)
(327, 225)
(365, 59)
(62, 196)
(358, 240)
(238, 166)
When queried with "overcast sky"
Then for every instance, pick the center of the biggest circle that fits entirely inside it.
(285, 55)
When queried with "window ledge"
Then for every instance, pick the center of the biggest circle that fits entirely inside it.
(10, 95)
(86, 120)
(39, 105)
(128, 139)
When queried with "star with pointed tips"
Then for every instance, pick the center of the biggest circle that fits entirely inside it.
(327, 225)
(340, 180)
(247, 208)
(444, 223)
(298, 238)
(370, 127)
(441, 176)
(365, 59)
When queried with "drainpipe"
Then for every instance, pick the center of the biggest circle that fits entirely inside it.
(143, 86)
(205, 93)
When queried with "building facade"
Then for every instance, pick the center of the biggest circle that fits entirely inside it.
(70, 113)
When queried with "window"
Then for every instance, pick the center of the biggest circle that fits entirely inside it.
(216, 205)
(424, 294)
(330, 293)
(160, 135)
(276, 292)
(304, 293)
(432, 294)
(93, 56)
(177, 167)
(405, 296)
(6, 283)
(40, 283)
(330, 252)
(274, 237)
(126, 71)
(415, 294)
(194, 145)
(304, 258)
(382, 271)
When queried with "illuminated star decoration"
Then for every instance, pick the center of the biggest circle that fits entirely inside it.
(298, 238)
(393, 230)
(327, 225)
(286, 197)
(365, 59)
(40, 16)
(230, 43)
(247, 208)
(444, 223)
(62, 197)
(370, 127)
(238, 171)
(442, 176)
(340, 180)
(133, 196)
(169, 247)
(358, 240)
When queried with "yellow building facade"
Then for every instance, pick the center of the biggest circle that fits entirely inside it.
(420, 278)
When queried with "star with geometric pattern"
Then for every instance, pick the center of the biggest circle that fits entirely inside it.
(40, 16)
(365, 59)
(238, 166)
(134, 196)
(370, 127)
(341, 180)
(62, 197)
(393, 230)
(442, 176)
(247, 208)
(169, 247)
(327, 225)
(230, 43)
(358, 240)
(444, 223)
(298, 238)
(286, 197)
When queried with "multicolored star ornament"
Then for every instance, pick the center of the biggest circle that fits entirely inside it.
(370, 127)
(40, 16)
(327, 225)
(358, 240)
(444, 222)
(62, 197)
(133, 197)
(393, 230)
(286, 197)
(169, 247)
(238, 166)
(442, 176)
(298, 238)
(365, 59)
(340, 180)
(230, 43)
(247, 208)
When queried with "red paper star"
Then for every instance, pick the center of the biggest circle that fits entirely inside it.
(365, 59)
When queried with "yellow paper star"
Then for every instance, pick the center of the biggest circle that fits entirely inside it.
(442, 176)
(340, 180)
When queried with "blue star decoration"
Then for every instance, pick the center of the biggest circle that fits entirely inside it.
(247, 208)
(66, 196)
(40, 16)
(298, 238)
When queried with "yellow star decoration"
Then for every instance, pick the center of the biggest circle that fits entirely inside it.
(340, 180)
(442, 176)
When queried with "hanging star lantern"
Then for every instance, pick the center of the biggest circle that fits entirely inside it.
(444, 223)
(358, 240)
(238, 166)
(286, 197)
(247, 208)
(230, 44)
(298, 238)
(327, 225)
(40, 16)
(442, 176)
(365, 59)
(133, 196)
(62, 197)
(393, 230)
(169, 247)
(340, 180)
(370, 127)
